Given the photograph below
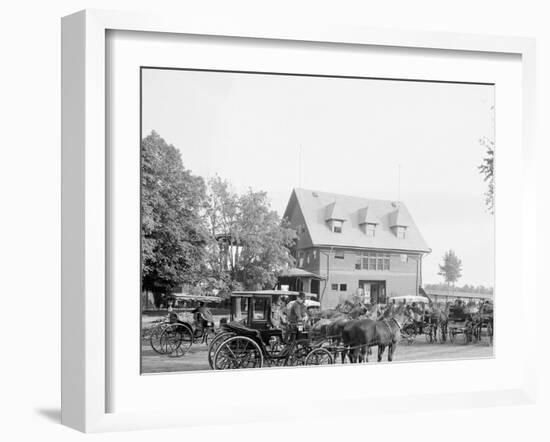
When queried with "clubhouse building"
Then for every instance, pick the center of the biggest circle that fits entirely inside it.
(356, 246)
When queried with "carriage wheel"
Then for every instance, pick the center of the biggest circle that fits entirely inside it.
(408, 333)
(210, 336)
(319, 356)
(298, 355)
(452, 336)
(176, 340)
(215, 343)
(238, 352)
(154, 338)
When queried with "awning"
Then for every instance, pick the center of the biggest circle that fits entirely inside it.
(410, 298)
(205, 298)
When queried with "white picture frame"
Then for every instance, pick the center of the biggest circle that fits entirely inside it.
(85, 210)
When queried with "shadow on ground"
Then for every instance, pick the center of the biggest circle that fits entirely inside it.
(51, 414)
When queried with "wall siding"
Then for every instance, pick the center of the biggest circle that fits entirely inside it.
(401, 279)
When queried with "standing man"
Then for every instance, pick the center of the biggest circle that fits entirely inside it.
(297, 312)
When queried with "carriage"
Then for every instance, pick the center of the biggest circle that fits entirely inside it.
(483, 324)
(424, 324)
(460, 326)
(249, 340)
(174, 336)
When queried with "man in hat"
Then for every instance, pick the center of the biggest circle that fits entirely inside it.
(297, 312)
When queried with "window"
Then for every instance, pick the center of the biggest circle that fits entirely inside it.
(373, 261)
(370, 228)
(260, 309)
(403, 258)
(336, 226)
(334, 286)
(240, 309)
(339, 254)
(343, 287)
(301, 262)
(400, 231)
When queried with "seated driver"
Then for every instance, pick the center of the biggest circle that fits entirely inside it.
(203, 315)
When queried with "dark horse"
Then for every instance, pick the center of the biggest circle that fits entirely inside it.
(359, 335)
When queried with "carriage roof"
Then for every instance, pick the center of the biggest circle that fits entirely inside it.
(268, 294)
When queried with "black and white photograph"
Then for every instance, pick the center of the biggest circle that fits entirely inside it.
(297, 220)
(311, 221)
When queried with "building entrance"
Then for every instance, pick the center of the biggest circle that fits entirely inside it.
(374, 291)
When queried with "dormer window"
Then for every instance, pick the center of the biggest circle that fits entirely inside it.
(368, 221)
(370, 228)
(399, 221)
(335, 217)
(336, 225)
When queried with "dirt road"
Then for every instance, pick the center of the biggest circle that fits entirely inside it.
(196, 358)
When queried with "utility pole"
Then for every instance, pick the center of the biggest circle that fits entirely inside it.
(398, 184)
(300, 166)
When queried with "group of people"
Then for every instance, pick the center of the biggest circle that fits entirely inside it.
(287, 316)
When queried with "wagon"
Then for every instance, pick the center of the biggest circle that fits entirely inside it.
(460, 325)
(249, 340)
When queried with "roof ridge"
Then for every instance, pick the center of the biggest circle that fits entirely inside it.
(335, 195)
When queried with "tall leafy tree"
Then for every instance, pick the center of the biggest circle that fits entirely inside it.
(252, 242)
(451, 270)
(173, 231)
(486, 168)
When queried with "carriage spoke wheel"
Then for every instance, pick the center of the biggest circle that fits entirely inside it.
(298, 355)
(215, 343)
(319, 356)
(154, 338)
(176, 340)
(238, 352)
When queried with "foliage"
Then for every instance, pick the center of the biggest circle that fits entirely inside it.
(451, 270)
(173, 232)
(486, 168)
(466, 288)
(252, 241)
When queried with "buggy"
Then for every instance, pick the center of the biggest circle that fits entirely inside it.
(460, 324)
(175, 336)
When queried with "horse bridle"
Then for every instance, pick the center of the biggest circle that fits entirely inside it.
(397, 323)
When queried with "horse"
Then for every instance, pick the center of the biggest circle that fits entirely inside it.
(333, 321)
(439, 317)
(359, 335)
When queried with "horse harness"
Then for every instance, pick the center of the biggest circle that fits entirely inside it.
(386, 323)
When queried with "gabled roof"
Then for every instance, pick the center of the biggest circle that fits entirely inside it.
(335, 211)
(313, 205)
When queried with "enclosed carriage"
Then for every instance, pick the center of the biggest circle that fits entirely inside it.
(251, 340)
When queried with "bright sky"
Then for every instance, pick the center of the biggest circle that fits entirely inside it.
(352, 134)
